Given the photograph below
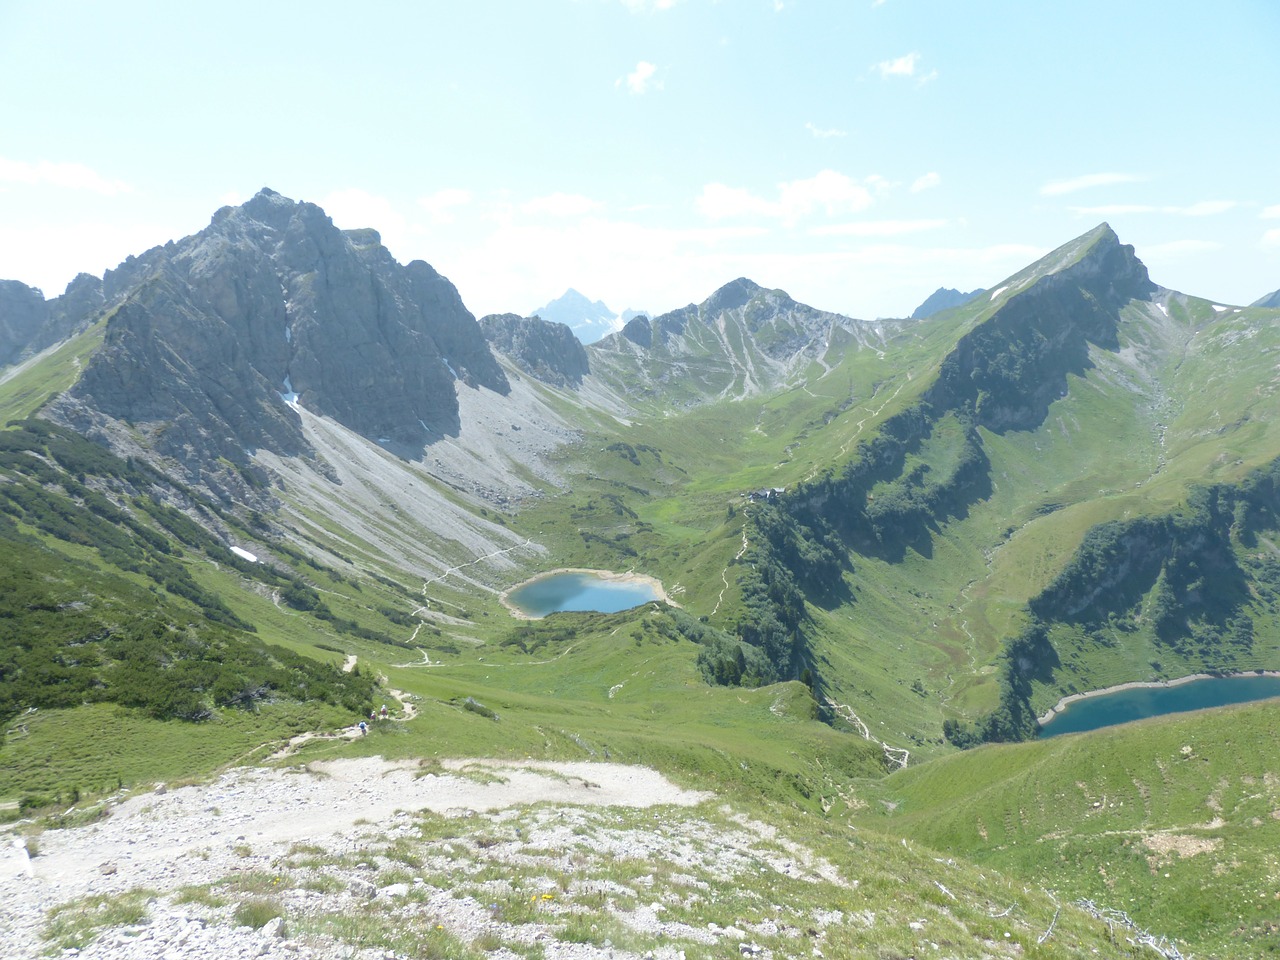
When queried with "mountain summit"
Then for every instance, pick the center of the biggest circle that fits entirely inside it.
(589, 320)
(210, 342)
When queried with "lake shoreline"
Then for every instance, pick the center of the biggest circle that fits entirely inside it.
(609, 576)
(1066, 701)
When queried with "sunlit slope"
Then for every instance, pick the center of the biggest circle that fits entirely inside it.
(1175, 820)
(1144, 411)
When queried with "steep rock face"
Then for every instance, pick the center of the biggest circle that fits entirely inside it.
(216, 334)
(1270, 300)
(548, 351)
(29, 323)
(1007, 370)
(22, 312)
(741, 340)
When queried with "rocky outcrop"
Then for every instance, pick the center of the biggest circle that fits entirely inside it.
(1008, 370)
(549, 352)
(29, 323)
(218, 335)
(1270, 300)
(742, 340)
(22, 312)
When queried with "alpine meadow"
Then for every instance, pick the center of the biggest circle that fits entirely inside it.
(265, 490)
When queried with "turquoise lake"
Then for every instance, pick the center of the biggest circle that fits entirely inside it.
(579, 591)
(1139, 703)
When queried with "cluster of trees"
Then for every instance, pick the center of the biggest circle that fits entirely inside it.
(1180, 572)
(73, 634)
(1027, 656)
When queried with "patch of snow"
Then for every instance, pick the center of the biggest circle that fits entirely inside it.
(244, 554)
(1163, 309)
(288, 395)
(288, 335)
(452, 371)
(996, 293)
(1219, 307)
(423, 425)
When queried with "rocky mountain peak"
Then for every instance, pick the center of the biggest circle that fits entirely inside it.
(731, 296)
(589, 320)
(1038, 329)
(29, 322)
(547, 351)
(272, 301)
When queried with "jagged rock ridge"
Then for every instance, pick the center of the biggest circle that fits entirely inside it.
(546, 351)
(742, 340)
(216, 335)
(29, 322)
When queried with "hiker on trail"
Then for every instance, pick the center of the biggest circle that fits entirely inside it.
(384, 711)
(372, 716)
(364, 728)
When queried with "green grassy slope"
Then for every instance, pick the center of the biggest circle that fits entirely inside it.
(1175, 820)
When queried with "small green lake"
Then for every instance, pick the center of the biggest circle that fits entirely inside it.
(582, 591)
(1139, 703)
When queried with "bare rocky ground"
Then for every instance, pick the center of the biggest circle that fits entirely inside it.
(374, 859)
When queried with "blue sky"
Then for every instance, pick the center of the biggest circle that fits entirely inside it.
(855, 153)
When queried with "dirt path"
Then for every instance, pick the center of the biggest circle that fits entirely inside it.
(895, 755)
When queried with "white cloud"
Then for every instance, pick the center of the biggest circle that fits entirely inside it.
(1057, 187)
(1204, 208)
(926, 182)
(1271, 238)
(832, 191)
(827, 191)
(624, 263)
(70, 176)
(354, 209)
(640, 79)
(560, 205)
(1207, 208)
(719, 201)
(825, 133)
(877, 228)
(648, 6)
(904, 66)
(1270, 213)
(88, 246)
(1175, 249)
(441, 204)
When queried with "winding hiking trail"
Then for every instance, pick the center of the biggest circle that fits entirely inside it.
(724, 575)
(462, 566)
(844, 447)
(898, 755)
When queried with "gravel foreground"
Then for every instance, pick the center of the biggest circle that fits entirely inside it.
(368, 859)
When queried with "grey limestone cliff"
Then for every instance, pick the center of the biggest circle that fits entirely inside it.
(217, 336)
(547, 351)
(29, 322)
